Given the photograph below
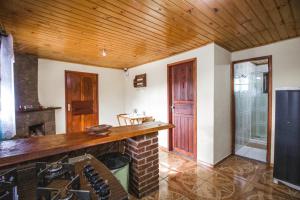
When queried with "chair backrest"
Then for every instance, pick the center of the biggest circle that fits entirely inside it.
(121, 118)
(148, 119)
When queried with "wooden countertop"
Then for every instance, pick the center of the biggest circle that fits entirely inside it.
(20, 150)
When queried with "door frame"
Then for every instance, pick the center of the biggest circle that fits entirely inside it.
(169, 90)
(233, 118)
(66, 103)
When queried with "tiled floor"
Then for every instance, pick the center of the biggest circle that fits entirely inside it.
(235, 178)
(254, 153)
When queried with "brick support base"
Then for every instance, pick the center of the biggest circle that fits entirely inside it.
(144, 169)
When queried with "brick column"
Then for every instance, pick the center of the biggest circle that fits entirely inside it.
(144, 169)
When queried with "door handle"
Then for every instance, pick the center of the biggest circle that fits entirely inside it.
(172, 107)
(69, 107)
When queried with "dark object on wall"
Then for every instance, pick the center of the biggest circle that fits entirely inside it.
(265, 82)
(140, 81)
(287, 138)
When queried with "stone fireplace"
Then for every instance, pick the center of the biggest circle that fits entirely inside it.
(25, 121)
(37, 129)
(26, 95)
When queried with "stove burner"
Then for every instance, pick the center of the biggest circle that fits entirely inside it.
(57, 181)
(55, 167)
(8, 185)
(60, 169)
(70, 192)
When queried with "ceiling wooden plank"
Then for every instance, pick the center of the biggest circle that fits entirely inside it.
(142, 17)
(65, 24)
(68, 30)
(251, 17)
(196, 19)
(107, 21)
(131, 20)
(270, 32)
(287, 16)
(295, 7)
(211, 13)
(135, 32)
(219, 11)
(191, 20)
(238, 15)
(171, 17)
(274, 13)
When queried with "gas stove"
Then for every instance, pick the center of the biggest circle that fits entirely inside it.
(48, 172)
(8, 185)
(80, 178)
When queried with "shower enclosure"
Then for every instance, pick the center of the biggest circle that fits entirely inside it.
(251, 109)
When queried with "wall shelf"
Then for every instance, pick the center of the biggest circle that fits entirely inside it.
(139, 81)
(37, 109)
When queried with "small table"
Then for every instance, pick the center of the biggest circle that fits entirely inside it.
(135, 118)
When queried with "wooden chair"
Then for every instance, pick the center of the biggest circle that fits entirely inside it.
(121, 118)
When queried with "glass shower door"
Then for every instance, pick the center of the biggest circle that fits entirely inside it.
(259, 111)
(251, 110)
(242, 96)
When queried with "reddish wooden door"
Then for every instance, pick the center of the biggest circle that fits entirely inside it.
(81, 100)
(182, 101)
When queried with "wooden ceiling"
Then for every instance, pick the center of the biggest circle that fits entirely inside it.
(139, 31)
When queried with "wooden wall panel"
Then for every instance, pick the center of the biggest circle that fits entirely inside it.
(139, 31)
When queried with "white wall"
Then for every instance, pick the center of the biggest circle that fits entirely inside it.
(153, 98)
(51, 89)
(213, 90)
(286, 67)
(222, 104)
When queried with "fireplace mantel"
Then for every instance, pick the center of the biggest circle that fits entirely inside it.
(38, 109)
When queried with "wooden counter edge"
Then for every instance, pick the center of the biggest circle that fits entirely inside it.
(27, 156)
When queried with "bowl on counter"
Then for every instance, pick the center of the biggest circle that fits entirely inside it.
(102, 129)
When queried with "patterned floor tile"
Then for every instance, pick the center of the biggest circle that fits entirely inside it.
(167, 191)
(257, 191)
(235, 178)
(239, 167)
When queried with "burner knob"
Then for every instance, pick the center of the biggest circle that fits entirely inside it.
(89, 171)
(96, 181)
(94, 176)
(98, 184)
(88, 168)
(104, 191)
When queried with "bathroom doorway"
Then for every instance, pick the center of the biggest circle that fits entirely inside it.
(252, 104)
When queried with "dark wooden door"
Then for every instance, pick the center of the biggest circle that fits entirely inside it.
(287, 136)
(182, 99)
(81, 100)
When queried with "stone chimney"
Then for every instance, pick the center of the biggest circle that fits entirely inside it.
(26, 94)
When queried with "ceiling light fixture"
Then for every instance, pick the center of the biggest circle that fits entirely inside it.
(104, 53)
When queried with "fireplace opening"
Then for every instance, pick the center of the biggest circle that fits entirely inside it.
(37, 130)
